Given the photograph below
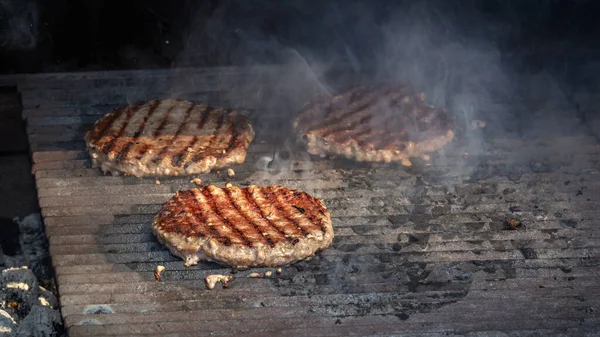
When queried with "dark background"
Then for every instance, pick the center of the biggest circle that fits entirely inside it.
(70, 35)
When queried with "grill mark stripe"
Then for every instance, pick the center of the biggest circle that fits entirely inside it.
(247, 218)
(253, 203)
(203, 218)
(344, 135)
(359, 128)
(279, 209)
(153, 106)
(359, 95)
(207, 111)
(104, 125)
(128, 113)
(188, 113)
(185, 202)
(386, 140)
(298, 231)
(229, 124)
(214, 136)
(339, 125)
(164, 121)
(282, 197)
(212, 204)
(156, 132)
(325, 124)
(318, 102)
(218, 127)
(327, 106)
(318, 208)
(236, 134)
(367, 109)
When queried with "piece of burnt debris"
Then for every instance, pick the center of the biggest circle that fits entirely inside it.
(512, 224)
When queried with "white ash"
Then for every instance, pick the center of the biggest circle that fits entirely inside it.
(7, 323)
(27, 308)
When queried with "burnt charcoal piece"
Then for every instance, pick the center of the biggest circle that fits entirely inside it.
(529, 253)
(569, 223)
(514, 209)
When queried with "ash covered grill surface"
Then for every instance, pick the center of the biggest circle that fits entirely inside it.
(418, 250)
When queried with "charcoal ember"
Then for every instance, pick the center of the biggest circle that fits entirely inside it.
(20, 285)
(7, 323)
(29, 310)
(40, 321)
(47, 298)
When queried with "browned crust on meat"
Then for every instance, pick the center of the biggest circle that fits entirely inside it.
(245, 227)
(168, 138)
(383, 123)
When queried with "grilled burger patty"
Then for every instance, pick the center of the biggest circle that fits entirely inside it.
(383, 123)
(168, 138)
(243, 227)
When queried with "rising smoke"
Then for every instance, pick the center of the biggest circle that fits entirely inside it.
(455, 52)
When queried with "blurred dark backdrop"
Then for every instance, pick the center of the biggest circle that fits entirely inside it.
(68, 35)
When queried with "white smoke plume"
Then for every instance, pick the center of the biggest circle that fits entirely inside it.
(454, 52)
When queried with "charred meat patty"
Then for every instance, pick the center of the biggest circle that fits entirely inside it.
(168, 138)
(383, 123)
(244, 227)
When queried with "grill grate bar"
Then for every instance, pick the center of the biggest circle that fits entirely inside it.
(419, 250)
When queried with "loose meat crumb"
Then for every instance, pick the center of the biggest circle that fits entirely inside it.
(278, 271)
(196, 181)
(158, 272)
(211, 280)
(228, 185)
(268, 273)
(513, 223)
(230, 173)
(254, 275)
(157, 182)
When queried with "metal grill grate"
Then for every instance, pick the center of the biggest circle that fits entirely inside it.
(420, 250)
